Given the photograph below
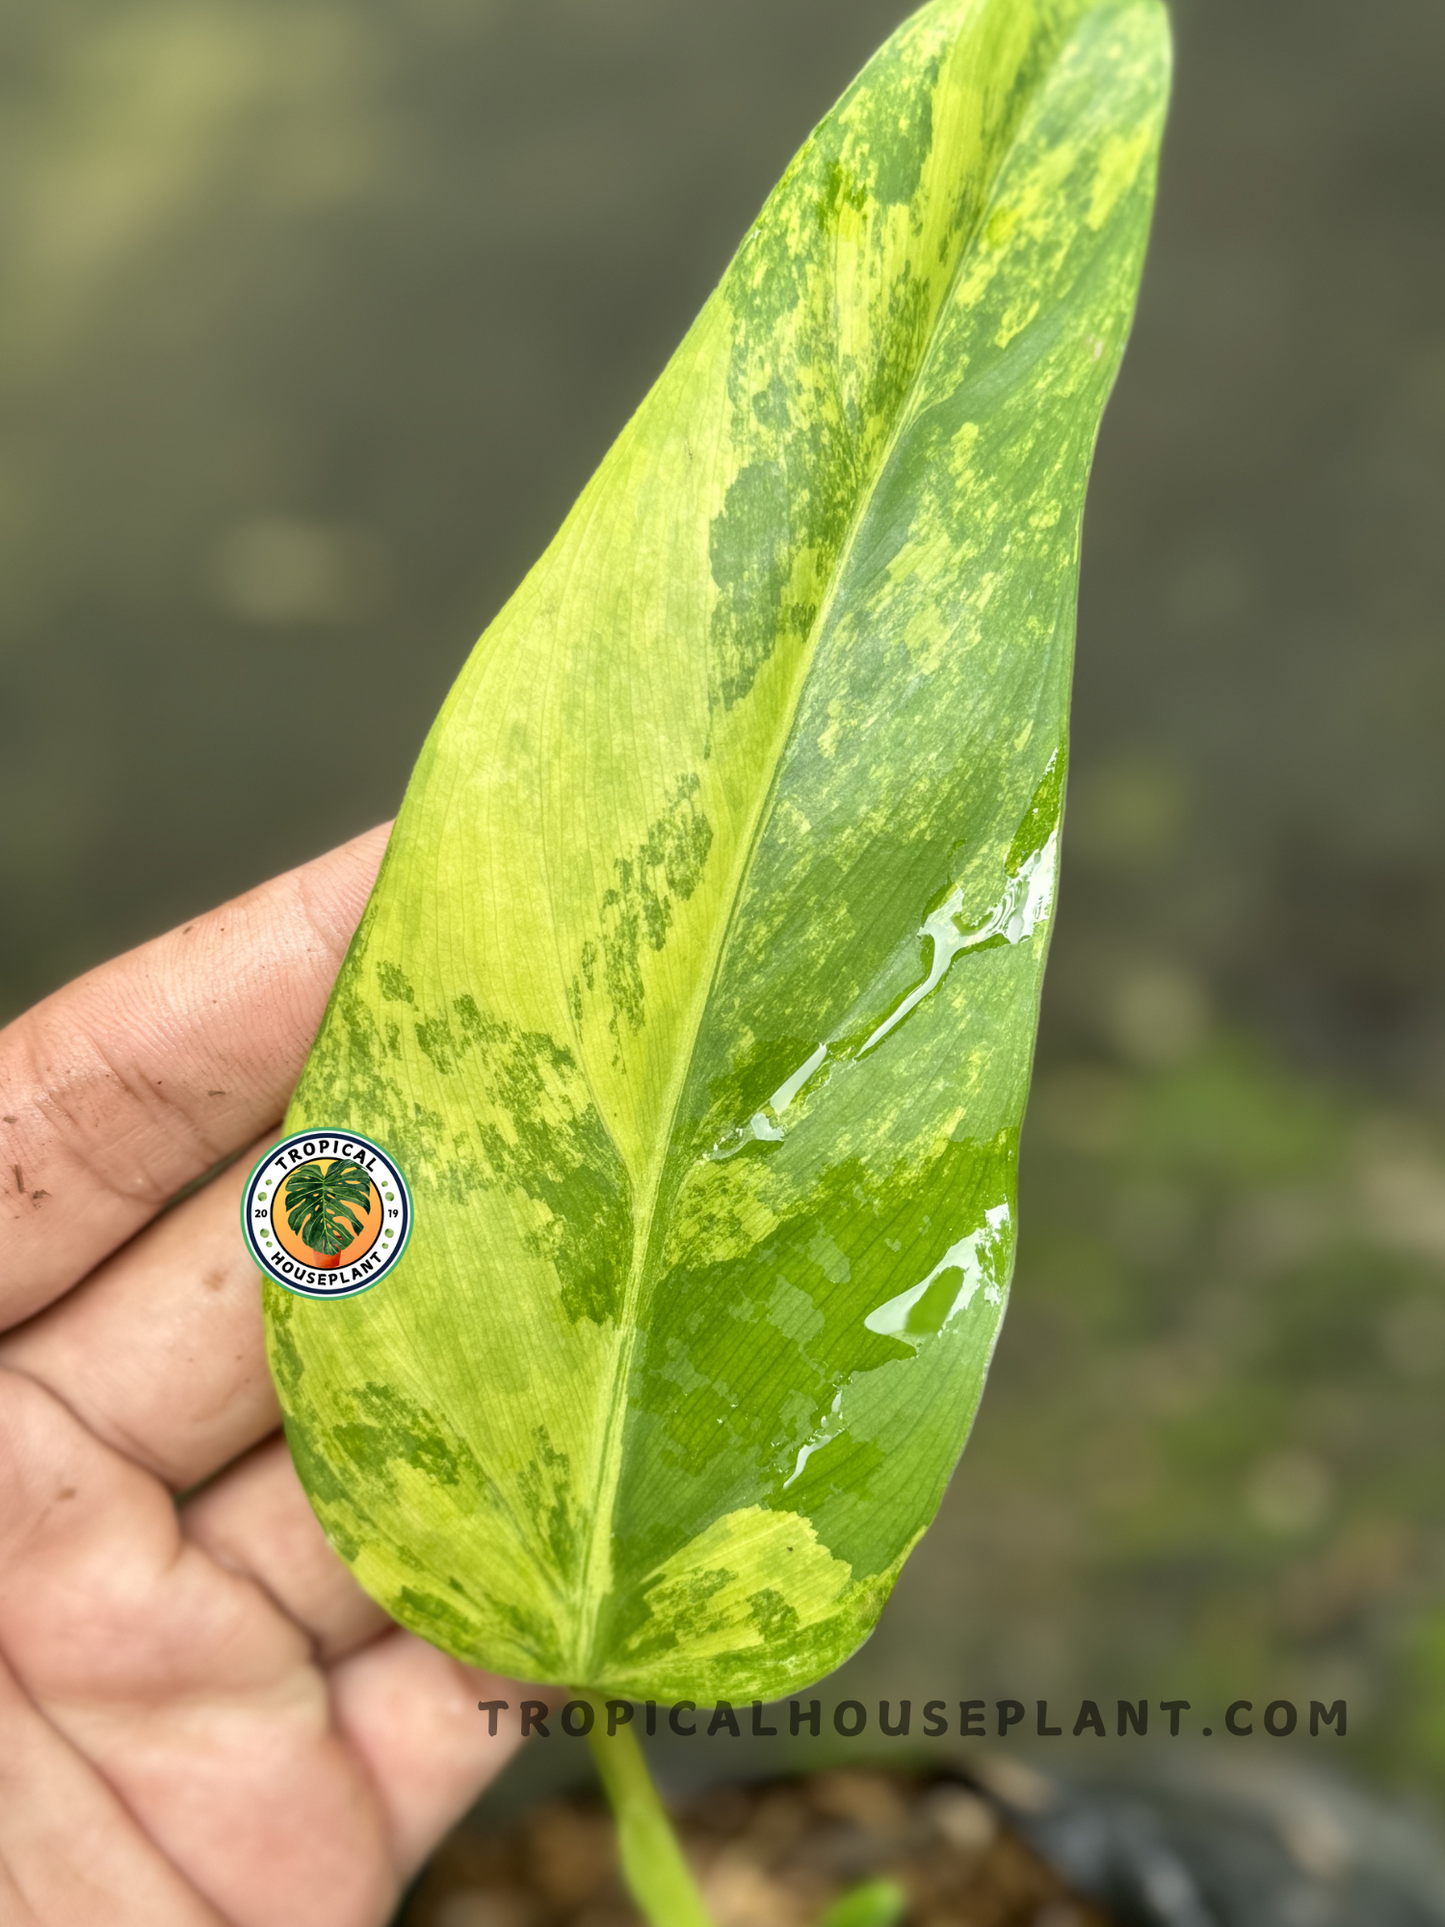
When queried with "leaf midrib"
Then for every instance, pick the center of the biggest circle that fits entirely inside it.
(648, 1220)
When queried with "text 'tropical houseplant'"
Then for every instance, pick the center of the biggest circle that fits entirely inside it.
(697, 994)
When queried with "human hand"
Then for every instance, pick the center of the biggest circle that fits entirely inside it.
(203, 1720)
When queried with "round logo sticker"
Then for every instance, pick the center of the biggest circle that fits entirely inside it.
(326, 1214)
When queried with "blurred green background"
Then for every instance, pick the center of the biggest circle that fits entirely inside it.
(313, 319)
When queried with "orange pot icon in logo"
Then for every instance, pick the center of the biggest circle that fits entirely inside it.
(321, 1204)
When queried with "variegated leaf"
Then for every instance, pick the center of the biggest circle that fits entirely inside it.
(697, 994)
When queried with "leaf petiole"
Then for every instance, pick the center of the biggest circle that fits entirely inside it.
(658, 1877)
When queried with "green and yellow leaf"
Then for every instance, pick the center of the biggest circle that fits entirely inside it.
(697, 995)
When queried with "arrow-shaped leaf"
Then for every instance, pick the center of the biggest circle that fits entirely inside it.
(697, 994)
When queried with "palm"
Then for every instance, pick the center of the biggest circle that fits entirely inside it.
(202, 1720)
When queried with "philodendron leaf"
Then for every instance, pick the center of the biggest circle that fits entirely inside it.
(696, 997)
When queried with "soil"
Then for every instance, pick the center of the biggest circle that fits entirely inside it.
(773, 1855)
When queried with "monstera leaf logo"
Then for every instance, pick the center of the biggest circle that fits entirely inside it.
(326, 1213)
(319, 1201)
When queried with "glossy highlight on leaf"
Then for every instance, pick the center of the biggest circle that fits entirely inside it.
(697, 994)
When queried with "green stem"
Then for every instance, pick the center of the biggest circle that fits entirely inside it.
(659, 1878)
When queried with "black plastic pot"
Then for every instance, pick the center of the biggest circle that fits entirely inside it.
(1193, 1848)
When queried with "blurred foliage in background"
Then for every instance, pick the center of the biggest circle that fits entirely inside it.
(313, 319)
